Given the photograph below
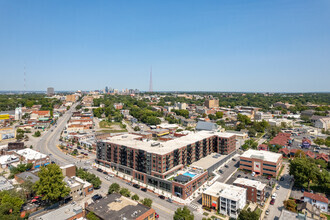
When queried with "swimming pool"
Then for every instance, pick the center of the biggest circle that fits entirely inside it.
(189, 174)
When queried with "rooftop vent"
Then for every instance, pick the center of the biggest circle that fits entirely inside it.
(155, 144)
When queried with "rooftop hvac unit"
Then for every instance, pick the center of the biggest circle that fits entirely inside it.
(155, 144)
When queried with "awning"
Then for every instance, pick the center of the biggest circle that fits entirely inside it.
(37, 166)
(46, 164)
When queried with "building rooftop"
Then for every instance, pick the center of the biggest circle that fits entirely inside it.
(209, 160)
(231, 192)
(116, 207)
(32, 176)
(262, 155)
(133, 141)
(7, 159)
(252, 183)
(62, 213)
(71, 182)
(5, 184)
(285, 215)
(30, 154)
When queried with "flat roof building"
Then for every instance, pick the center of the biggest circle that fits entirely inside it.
(67, 212)
(153, 162)
(227, 199)
(261, 162)
(5, 184)
(255, 189)
(117, 207)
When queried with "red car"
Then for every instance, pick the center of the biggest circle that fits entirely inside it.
(156, 215)
(272, 201)
(268, 177)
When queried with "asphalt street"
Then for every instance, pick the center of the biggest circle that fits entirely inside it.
(48, 145)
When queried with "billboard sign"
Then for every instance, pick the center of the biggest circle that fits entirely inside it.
(4, 117)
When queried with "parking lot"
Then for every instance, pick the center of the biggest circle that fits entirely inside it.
(227, 169)
(247, 175)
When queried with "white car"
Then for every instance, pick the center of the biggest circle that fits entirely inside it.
(274, 195)
(107, 178)
(253, 174)
(267, 212)
(111, 175)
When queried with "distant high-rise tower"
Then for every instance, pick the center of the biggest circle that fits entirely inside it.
(50, 91)
(150, 85)
(106, 89)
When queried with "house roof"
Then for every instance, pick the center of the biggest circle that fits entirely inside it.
(207, 126)
(316, 197)
(309, 207)
(323, 157)
(310, 154)
(284, 150)
(41, 112)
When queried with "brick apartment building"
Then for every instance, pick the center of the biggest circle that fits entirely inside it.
(154, 162)
(212, 103)
(261, 162)
(255, 189)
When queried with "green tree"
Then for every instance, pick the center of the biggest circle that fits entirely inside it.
(319, 141)
(251, 143)
(51, 184)
(248, 215)
(219, 115)
(114, 188)
(136, 128)
(37, 134)
(304, 171)
(92, 216)
(10, 206)
(290, 205)
(135, 197)
(125, 192)
(147, 202)
(183, 214)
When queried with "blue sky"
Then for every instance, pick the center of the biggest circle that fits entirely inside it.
(275, 46)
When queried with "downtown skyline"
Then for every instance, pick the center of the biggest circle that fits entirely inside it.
(192, 46)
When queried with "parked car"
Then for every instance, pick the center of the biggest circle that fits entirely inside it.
(86, 154)
(253, 174)
(105, 172)
(99, 170)
(169, 200)
(274, 196)
(96, 197)
(267, 194)
(226, 166)
(111, 175)
(161, 197)
(272, 202)
(79, 148)
(239, 175)
(128, 183)
(267, 212)
(136, 186)
(144, 189)
(302, 190)
(269, 177)
(156, 215)
(220, 171)
(282, 178)
(278, 187)
(234, 159)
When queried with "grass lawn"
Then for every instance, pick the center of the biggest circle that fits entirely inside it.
(106, 124)
(328, 216)
(112, 131)
(258, 211)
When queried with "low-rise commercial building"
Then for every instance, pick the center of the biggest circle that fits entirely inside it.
(5, 184)
(255, 189)
(117, 207)
(28, 155)
(227, 199)
(261, 162)
(67, 212)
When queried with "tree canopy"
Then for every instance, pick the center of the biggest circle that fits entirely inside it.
(51, 184)
(183, 214)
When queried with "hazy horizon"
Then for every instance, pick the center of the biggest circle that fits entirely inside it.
(214, 45)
